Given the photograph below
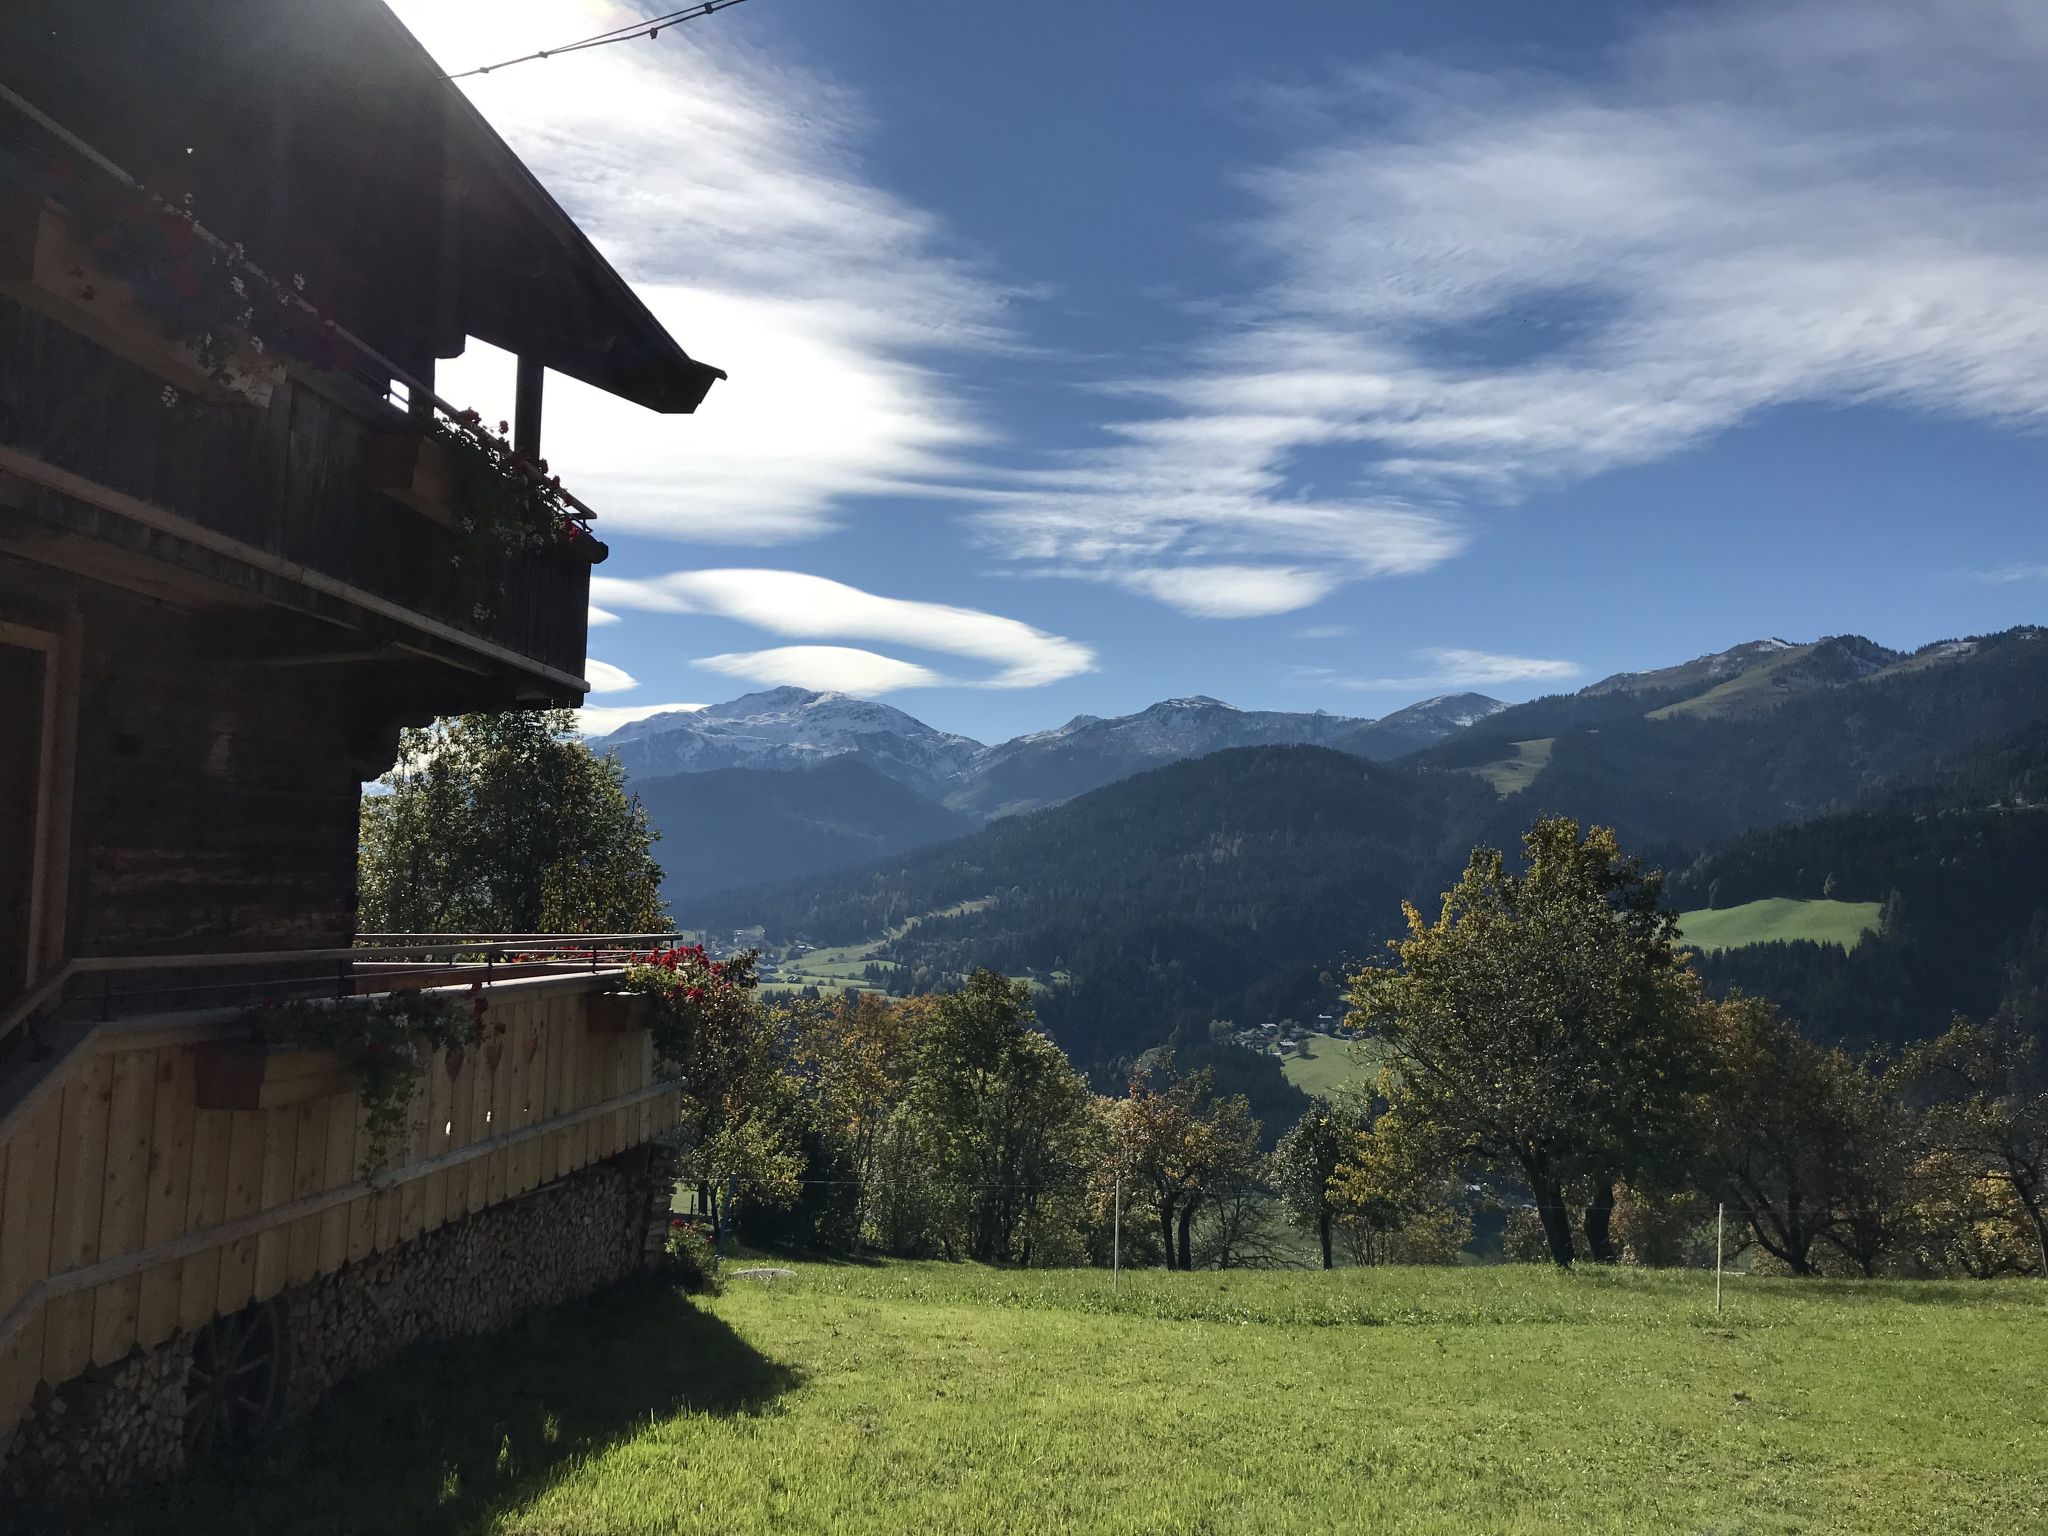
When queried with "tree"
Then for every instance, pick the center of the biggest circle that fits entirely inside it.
(1545, 1021)
(1391, 1194)
(1177, 1142)
(856, 1056)
(506, 823)
(1800, 1139)
(1306, 1162)
(1989, 1112)
(1006, 1117)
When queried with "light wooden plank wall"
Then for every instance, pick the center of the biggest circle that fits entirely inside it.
(112, 1157)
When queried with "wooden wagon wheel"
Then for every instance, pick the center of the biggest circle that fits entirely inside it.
(237, 1378)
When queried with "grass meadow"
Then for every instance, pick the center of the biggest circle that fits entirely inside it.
(1327, 1063)
(1780, 918)
(938, 1398)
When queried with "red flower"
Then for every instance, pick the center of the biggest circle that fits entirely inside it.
(695, 994)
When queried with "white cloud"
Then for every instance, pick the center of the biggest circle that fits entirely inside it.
(603, 677)
(802, 606)
(599, 616)
(1323, 632)
(600, 719)
(1231, 591)
(724, 184)
(2008, 575)
(829, 668)
(1448, 668)
(1480, 286)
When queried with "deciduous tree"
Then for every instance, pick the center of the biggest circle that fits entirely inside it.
(1006, 1117)
(1545, 1021)
(506, 823)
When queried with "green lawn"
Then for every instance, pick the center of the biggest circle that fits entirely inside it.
(1325, 1065)
(938, 1399)
(1780, 917)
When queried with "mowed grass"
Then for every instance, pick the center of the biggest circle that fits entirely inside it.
(1325, 1064)
(935, 1398)
(1780, 918)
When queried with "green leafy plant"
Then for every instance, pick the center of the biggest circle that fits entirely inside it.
(692, 1251)
(386, 1042)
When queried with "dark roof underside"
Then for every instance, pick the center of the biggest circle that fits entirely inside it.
(321, 135)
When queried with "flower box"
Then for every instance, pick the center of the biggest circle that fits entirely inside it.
(45, 265)
(412, 468)
(614, 1013)
(242, 1075)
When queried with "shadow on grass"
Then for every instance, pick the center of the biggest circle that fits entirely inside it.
(440, 1440)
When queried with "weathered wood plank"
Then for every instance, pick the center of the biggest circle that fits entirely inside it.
(280, 1164)
(31, 1202)
(481, 1078)
(21, 1368)
(244, 1198)
(548, 1160)
(344, 1115)
(170, 1189)
(575, 1088)
(499, 1053)
(519, 1176)
(434, 1194)
(206, 1202)
(412, 1197)
(75, 1238)
(309, 1177)
(124, 1201)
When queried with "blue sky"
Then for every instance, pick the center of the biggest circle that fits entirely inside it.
(1305, 355)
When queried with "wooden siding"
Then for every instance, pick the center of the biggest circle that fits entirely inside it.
(129, 1213)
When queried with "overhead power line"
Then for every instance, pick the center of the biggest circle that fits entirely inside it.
(652, 27)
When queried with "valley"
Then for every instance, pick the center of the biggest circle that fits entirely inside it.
(1790, 815)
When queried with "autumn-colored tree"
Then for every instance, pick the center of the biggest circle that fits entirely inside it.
(506, 823)
(1988, 1112)
(1800, 1140)
(1546, 1022)
(1391, 1195)
(1177, 1145)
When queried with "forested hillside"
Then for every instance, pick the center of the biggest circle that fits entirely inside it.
(1236, 885)
(739, 826)
(1230, 886)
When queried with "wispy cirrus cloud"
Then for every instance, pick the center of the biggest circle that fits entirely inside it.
(2010, 575)
(1480, 286)
(796, 605)
(726, 185)
(1448, 668)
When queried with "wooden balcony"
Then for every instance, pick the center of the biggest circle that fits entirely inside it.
(143, 1195)
(286, 494)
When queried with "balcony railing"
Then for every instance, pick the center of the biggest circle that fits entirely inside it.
(115, 377)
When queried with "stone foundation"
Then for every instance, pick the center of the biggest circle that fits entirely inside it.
(127, 1422)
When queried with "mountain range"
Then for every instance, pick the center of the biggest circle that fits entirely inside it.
(1241, 883)
(745, 786)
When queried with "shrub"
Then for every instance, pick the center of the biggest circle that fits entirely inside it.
(693, 1256)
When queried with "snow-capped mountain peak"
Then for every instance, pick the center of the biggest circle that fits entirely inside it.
(792, 728)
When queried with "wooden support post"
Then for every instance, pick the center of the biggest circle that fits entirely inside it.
(526, 407)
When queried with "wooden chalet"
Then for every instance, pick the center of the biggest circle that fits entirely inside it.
(241, 544)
